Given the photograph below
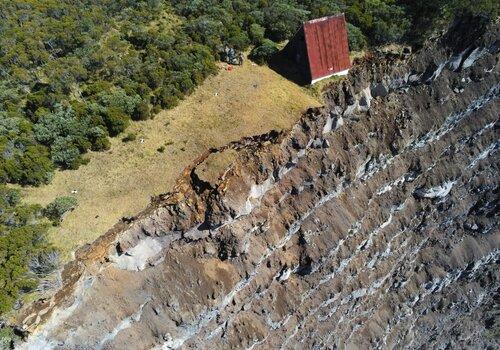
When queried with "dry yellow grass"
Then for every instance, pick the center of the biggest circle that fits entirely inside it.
(245, 101)
(215, 165)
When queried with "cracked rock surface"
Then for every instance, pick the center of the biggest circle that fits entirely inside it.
(373, 223)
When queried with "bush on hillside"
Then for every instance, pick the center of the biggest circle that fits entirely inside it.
(257, 33)
(381, 20)
(322, 8)
(262, 54)
(7, 337)
(129, 137)
(22, 237)
(357, 40)
(60, 206)
(283, 19)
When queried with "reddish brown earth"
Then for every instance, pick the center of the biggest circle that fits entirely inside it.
(373, 223)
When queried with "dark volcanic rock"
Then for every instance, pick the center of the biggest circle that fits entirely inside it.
(373, 223)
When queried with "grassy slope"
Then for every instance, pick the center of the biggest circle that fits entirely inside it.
(251, 100)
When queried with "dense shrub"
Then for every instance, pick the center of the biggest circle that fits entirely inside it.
(23, 160)
(116, 120)
(60, 206)
(257, 33)
(357, 40)
(25, 164)
(321, 8)
(382, 20)
(65, 153)
(7, 337)
(425, 14)
(98, 137)
(282, 19)
(483, 7)
(22, 237)
(263, 53)
(67, 83)
(142, 111)
(129, 137)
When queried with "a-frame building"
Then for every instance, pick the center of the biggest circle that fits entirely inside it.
(320, 48)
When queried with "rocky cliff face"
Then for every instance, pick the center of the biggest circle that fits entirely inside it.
(373, 223)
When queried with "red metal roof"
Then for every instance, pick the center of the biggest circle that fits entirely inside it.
(327, 46)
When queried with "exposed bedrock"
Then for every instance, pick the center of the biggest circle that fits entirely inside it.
(373, 223)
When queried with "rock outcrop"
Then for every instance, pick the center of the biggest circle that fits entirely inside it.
(373, 223)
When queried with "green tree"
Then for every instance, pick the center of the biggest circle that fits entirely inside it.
(142, 111)
(22, 238)
(283, 19)
(322, 8)
(425, 15)
(381, 20)
(116, 120)
(263, 53)
(206, 30)
(357, 40)
(257, 33)
(60, 206)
